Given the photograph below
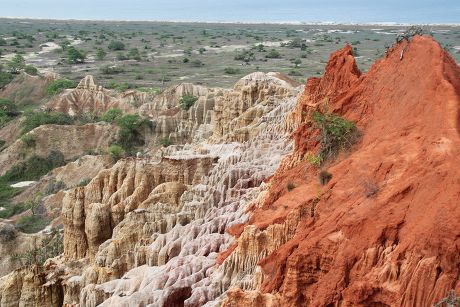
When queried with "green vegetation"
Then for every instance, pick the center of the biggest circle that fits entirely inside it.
(112, 115)
(32, 223)
(116, 151)
(29, 139)
(11, 210)
(34, 167)
(16, 64)
(50, 247)
(57, 86)
(336, 133)
(116, 45)
(245, 56)
(165, 142)
(75, 56)
(130, 134)
(8, 111)
(34, 119)
(187, 101)
(100, 54)
(273, 54)
(232, 71)
(5, 78)
(84, 182)
(31, 70)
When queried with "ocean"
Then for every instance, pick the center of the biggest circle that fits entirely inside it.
(333, 11)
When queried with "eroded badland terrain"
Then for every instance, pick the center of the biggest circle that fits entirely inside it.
(224, 165)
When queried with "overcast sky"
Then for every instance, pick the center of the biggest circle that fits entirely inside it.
(412, 11)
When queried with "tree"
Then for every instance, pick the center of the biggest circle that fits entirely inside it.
(16, 64)
(75, 56)
(112, 115)
(57, 86)
(31, 70)
(187, 101)
(116, 45)
(201, 50)
(297, 62)
(273, 54)
(100, 54)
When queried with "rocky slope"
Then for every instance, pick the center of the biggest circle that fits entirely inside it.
(384, 231)
(72, 141)
(162, 216)
(90, 98)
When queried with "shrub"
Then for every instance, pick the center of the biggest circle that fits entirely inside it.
(31, 70)
(111, 70)
(116, 45)
(120, 87)
(116, 151)
(165, 142)
(273, 54)
(112, 115)
(5, 78)
(34, 167)
(32, 223)
(57, 86)
(336, 133)
(291, 186)
(324, 177)
(29, 139)
(8, 110)
(245, 56)
(35, 119)
(100, 54)
(75, 56)
(50, 247)
(16, 64)
(130, 134)
(187, 101)
(12, 209)
(54, 187)
(314, 160)
(84, 182)
(232, 71)
(7, 233)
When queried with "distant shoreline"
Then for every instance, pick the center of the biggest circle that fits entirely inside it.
(293, 23)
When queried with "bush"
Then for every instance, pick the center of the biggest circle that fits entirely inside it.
(50, 247)
(100, 54)
(54, 187)
(5, 78)
(7, 233)
(130, 134)
(33, 120)
(165, 142)
(16, 64)
(232, 71)
(187, 101)
(120, 87)
(11, 210)
(336, 133)
(75, 56)
(112, 115)
(29, 139)
(29, 69)
(32, 223)
(116, 151)
(116, 45)
(111, 70)
(84, 182)
(324, 177)
(290, 186)
(273, 54)
(34, 167)
(8, 110)
(57, 86)
(245, 56)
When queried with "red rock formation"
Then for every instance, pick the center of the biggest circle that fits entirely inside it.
(385, 230)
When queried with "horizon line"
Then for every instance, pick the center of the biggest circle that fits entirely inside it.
(324, 23)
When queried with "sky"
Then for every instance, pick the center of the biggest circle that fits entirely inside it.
(340, 11)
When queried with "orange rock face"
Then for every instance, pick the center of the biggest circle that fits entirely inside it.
(385, 231)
